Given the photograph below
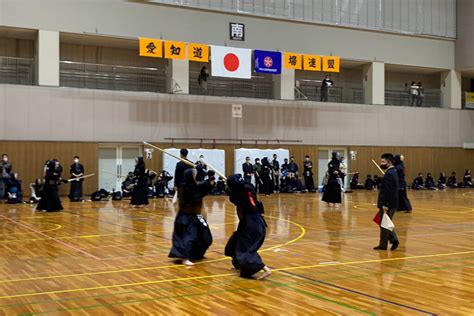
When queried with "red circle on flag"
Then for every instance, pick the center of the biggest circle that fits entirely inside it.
(231, 62)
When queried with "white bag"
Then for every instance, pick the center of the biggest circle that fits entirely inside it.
(175, 197)
(387, 222)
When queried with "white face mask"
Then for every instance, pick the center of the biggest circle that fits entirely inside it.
(5, 159)
(76, 160)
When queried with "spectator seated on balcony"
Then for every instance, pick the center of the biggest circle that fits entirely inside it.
(418, 183)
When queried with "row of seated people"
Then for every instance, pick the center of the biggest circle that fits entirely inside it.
(418, 183)
(369, 183)
(161, 188)
(443, 181)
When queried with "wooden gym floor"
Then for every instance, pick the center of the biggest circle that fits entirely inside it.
(105, 258)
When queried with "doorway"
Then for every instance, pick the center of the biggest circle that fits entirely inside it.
(115, 161)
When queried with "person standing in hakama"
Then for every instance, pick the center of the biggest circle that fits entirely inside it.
(50, 200)
(77, 171)
(140, 189)
(332, 192)
(191, 236)
(404, 203)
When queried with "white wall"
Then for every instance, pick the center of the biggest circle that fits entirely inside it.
(46, 113)
(433, 17)
(128, 19)
(465, 42)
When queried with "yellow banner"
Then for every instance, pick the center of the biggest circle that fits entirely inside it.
(331, 64)
(292, 60)
(151, 47)
(470, 100)
(175, 50)
(198, 52)
(470, 97)
(312, 62)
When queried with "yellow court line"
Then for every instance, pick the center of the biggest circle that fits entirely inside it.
(358, 207)
(302, 233)
(73, 237)
(227, 274)
(468, 195)
(43, 231)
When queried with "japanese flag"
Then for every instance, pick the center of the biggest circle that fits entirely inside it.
(231, 62)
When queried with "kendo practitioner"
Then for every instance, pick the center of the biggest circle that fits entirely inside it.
(191, 236)
(308, 174)
(377, 181)
(418, 183)
(179, 170)
(140, 189)
(161, 184)
(388, 201)
(292, 173)
(332, 193)
(36, 191)
(50, 201)
(467, 183)
(201, 168)
(5, 174)
(77, 171)
(247, 169)
(265, 176)
(429, 182)
(442, 181)
(257, 168)
(285, 185)
(244, 243)
(128, 184)
(403, 201)
(14, 192)
(452, 182)
(355, 185)
(276, 173)
(369, 183)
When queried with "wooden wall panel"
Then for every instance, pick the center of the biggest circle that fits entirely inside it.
(28, 158)
(417, 159)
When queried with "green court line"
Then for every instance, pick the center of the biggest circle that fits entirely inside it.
(142, 301)
(234, 282)
(287, 285)
(323, 298)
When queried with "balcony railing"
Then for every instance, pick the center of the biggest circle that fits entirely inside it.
(432, 98)
(341, 93)
(111, 77)
(260, 87)
(17, 70)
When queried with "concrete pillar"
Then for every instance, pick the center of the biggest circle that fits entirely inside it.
(284, 85)
(177, 76)
(374, 83)
(451, 94)
(47, 58)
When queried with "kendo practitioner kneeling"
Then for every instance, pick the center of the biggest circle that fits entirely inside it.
(191, 236)
(242, 247)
